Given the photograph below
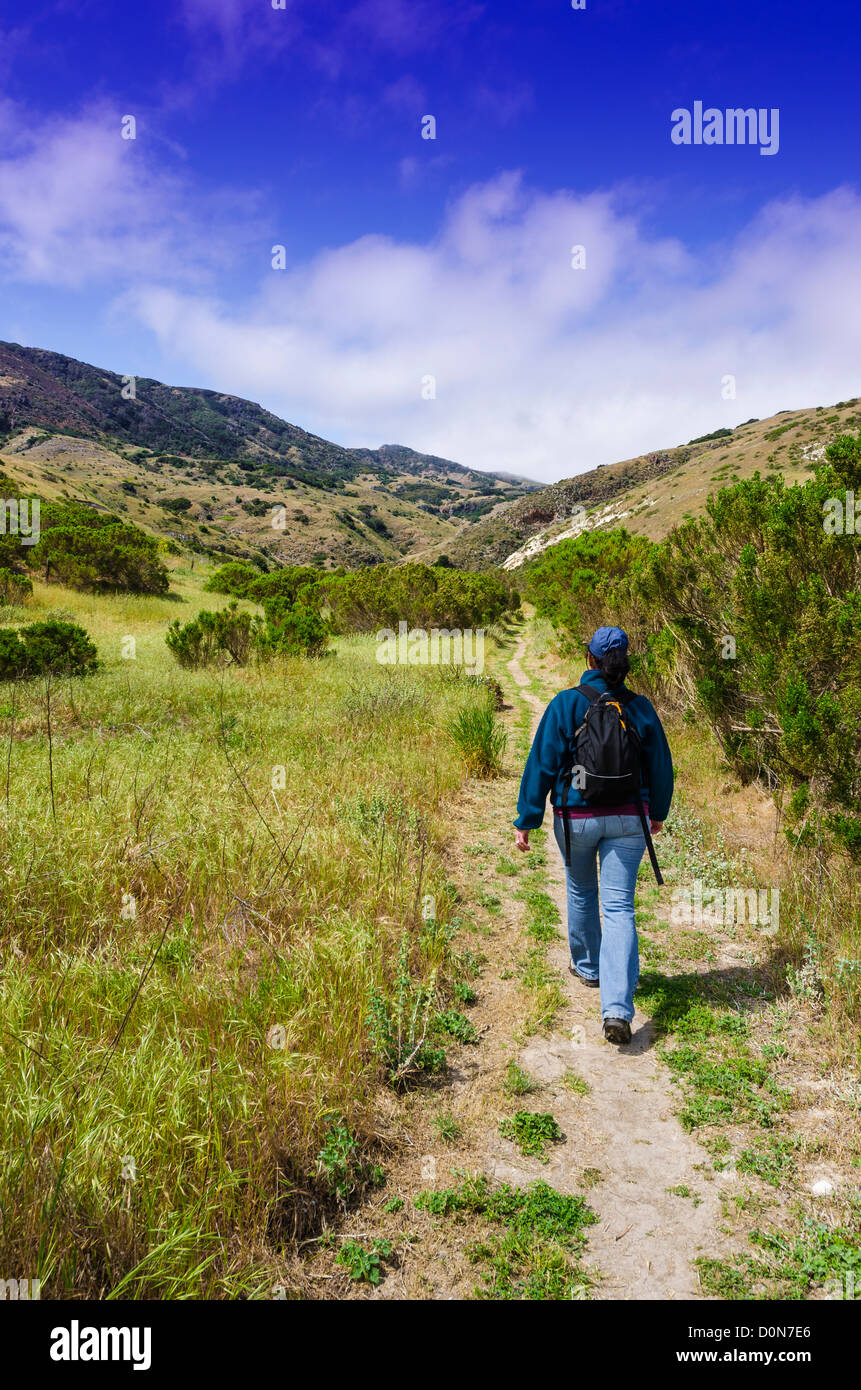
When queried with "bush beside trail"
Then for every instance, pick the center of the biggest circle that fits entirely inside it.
(425, 596)
(379, 596)
(749, 616)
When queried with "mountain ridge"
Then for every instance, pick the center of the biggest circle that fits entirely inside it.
(225, 464)
(65, 393)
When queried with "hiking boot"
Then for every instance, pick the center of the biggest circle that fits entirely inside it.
(584, 979)
(617, 1030)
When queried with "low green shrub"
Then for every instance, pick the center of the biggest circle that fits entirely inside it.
(15, 589)
(229, 636)
(52, 648)
(293, 630)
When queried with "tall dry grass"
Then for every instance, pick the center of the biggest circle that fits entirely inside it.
(190, 937)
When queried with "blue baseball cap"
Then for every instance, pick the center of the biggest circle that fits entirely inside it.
(604, 639)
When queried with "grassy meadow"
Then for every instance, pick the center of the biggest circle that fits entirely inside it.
(209, 879)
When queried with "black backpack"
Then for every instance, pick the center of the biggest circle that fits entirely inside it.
(607, 753)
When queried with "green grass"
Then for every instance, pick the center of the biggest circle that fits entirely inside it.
(574, 1083)
(772, 1161)
(724, 1080)
(542, 916)
(540, 981)
(481, 739)
(682, 1190)
(447, 1127)
(507, 866)
(533, 1253)
(518, 1082)
(818, 1258)
(192, 943)
(543, 989)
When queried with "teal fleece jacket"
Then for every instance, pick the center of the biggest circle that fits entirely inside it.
(564, 714)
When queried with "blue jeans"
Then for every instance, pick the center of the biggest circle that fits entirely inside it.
(619, 843)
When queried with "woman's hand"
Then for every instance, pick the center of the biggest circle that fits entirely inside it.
(521, 839)
(655, 825)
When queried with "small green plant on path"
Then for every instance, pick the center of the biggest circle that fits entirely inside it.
(681, 1190)
(542, 915)
(464, 993)
(531, 1132)
(362, 1263)
(518, 1082)
(456, 1025)
(447, 1127)
(572, 1082)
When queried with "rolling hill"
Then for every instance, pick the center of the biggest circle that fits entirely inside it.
(208, 468)
(654, 492)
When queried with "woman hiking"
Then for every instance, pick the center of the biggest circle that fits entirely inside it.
(603, 948)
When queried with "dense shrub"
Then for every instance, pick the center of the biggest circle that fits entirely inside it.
(229, 636)
(15, 588)
(113, 555)
(375, 597)
(232, 578)
(751, 616)
(424, 596)
(232, 637)
(573, 582)
(245, 581)
(85, 548)
(289, 583)
(293, 629)
(52, 648)
(715, 434)
(761, 569)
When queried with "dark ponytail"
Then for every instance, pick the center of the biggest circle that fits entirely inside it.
(615, 666)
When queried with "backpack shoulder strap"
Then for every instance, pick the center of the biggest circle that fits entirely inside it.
(590, 692)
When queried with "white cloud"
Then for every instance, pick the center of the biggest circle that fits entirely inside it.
(540, 368)
(78, 204)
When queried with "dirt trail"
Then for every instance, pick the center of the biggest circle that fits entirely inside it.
(647, 1238)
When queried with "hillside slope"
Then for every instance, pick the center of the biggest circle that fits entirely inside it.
(654, 492)
(222, 463)
(221, 474)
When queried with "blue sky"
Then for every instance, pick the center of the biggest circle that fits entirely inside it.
(447, 261)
